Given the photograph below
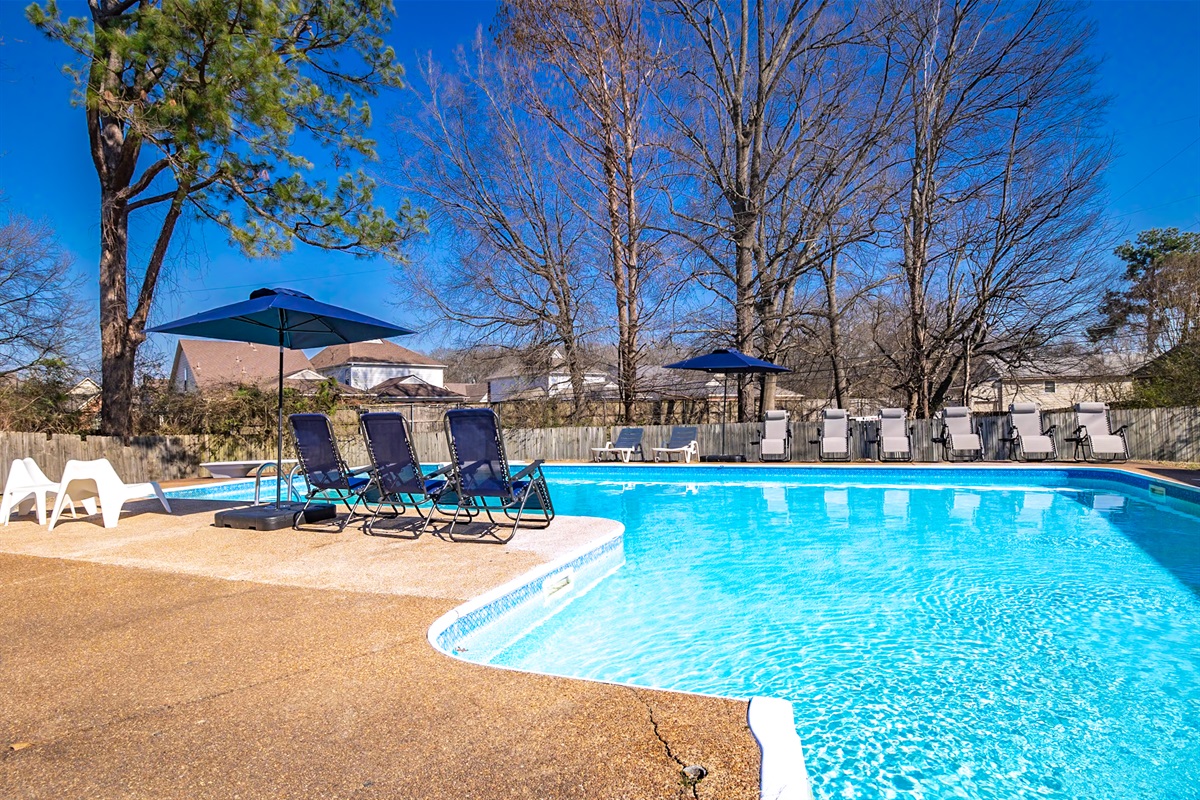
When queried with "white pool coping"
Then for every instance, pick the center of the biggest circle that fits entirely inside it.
(782, 775)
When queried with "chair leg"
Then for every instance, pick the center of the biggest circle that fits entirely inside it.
(162, 498)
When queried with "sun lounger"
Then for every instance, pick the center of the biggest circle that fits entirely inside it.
(26, 488)
(87, 480)
(1094, 438)
(629, 441)
(396, 470)
(481, 476)
(894, 436)
(775, 444)
(1027, 440)
(682, 443)
(958, 439)
(833, 435)
(328, 477)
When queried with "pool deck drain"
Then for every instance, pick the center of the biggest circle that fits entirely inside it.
(168, 658)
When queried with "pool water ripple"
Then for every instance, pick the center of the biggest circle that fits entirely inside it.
(936, 642)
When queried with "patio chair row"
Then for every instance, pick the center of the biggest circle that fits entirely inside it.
(477, 479)
(1027, 438)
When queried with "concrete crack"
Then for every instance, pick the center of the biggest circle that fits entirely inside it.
(687, 785)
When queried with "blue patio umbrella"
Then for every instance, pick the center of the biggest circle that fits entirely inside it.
(287, 318)
(727, 361)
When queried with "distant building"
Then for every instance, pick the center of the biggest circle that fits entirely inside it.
(514, 381)
(471, 392)
(82, 393)
(413, 389)
(1057, 382)
(365, 365)
(201, 365)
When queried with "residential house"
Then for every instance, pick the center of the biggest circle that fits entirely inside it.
(1056, 382)
(514, 381)
(412, 389)
(473, 393)
(365, 365)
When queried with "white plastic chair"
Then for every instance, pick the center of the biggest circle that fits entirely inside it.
(97, 479)
(26, 489)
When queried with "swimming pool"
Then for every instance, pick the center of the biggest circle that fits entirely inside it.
(982, 633)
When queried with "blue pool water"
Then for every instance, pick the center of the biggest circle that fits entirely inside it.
(940, 633)
(980, 641)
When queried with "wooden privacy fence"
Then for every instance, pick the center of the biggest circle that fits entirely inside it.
(1154, 434)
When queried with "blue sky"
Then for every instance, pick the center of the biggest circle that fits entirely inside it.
(1151, 70)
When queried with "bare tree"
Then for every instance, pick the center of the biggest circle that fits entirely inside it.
(601, 64)
(1002, 179)
(515, 272)
(735, 111)
(40, 317)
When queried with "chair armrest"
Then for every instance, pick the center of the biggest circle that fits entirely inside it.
(1050, 430)
(441, 471)
(1121, 430)
(533, 467)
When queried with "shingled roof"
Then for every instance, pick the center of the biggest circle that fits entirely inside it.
(375, 351)
(214, 364)
(410, 387)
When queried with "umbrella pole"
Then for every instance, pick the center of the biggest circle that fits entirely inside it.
(724, 412)
(279, 430)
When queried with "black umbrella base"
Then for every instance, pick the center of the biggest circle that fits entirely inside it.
(270, 517)
(726, 459)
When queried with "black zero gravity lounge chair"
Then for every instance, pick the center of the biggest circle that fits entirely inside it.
(396, 470)
(481, 477)
(327, 474)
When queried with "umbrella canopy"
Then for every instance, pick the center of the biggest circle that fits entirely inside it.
(287, 318)
(283, 317)
(727, 361)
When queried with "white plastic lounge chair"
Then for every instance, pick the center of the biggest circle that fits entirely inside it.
(894, 438)
(775, 444)
(959, 440)
(682, 443)
(833, 435)
(26, 488)
(97, 479)
(1026, 438)
(1094, 437)
(629, 441)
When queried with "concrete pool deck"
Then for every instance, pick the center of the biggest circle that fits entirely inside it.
(170, 658)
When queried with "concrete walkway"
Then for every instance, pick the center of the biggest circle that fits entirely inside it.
(167, 658)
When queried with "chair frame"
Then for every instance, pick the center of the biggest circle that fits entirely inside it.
(347, 494)
(819, 442)
(512, 503)
(398, 501)
(623, 454)
(878, 440)
(1082, 440)
(947, 442)
(1016, 449)
(685, 452)
(787, 440)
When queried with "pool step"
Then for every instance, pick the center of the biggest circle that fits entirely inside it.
(783, 775)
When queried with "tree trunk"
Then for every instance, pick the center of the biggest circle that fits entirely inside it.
(117, 350)
(833, 309)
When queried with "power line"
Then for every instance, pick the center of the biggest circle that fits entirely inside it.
(1159, 167)
(1160, 205)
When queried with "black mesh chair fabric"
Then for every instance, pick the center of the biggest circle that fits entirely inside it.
(397, 470)
(476, 452)
(317, 451)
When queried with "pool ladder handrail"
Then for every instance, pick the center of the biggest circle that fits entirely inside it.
(291, 476)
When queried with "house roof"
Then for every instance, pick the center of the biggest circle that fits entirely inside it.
(410, 387)
(225, 363)
(473, 392)
(1086, 366)
(374, 351)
